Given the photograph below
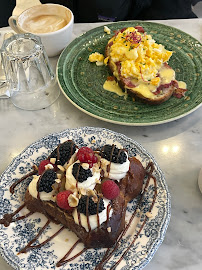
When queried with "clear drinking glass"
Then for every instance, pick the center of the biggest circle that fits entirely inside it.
(30, 79)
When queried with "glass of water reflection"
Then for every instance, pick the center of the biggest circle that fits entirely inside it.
(30, 79)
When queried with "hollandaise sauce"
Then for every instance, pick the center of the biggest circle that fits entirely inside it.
(113, 86)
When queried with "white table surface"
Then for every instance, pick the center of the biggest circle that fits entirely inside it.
(176, 146)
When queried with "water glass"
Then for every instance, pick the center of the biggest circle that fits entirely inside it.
(30, 78)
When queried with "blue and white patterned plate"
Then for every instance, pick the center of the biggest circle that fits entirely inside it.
(17, 235)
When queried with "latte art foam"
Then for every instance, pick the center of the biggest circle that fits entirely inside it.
(44, 23)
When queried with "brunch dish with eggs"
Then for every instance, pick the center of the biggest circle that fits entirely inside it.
(137, 70)
(83, 196)
(140, 66)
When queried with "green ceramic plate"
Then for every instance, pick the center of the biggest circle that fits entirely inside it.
(82, 81)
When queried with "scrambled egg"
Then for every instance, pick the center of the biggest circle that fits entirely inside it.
(140, 56)
(107, 30)
(97, 57)
(137, 61)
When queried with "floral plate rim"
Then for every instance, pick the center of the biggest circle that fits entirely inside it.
(119, 138)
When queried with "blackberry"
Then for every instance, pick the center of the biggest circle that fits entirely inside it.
(118, 155)
(63, 152)
(82, 175)
(92, 206)
(47, 180)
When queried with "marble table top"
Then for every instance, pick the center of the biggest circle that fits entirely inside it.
(176, 146)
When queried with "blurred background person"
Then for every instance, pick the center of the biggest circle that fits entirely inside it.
(115, 10)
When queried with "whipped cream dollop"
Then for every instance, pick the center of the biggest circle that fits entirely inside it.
(43, 195)
(72, 183)
(115, 171)
(93, 221)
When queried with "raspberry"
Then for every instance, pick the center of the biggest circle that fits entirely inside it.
(62, 200)
(42, 165)
(86, 155)
(110, 189)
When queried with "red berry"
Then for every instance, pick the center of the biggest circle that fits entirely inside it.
(62, 199)
(110, 189)
(42, 165)
(139, 29)
(86, 155)
(94, 159)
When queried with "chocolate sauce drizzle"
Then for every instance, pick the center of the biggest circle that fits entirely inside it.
(12, 187)
(109, 253)
(29, 246)
(37, 187)
(58, 154)
(64, 261)
(9, 218)
(87, 214)
(98, 218)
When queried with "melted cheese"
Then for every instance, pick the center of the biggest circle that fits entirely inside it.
(113, 86)
(145, 90)
(115, 70)
(167, 75)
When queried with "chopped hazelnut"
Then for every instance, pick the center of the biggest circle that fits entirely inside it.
(82, 191)
(48, 166)
(92, 193)
(58, 181)
(73, 200)
(61, 168)
(109, 229)
(59, 176)
(85, 166)
(53, 160)
(149, 214)
(53, 198)
(76, 194)
(35, 167)
(96, 168)
(97, 181)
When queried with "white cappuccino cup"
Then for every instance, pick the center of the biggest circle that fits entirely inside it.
(51, 22)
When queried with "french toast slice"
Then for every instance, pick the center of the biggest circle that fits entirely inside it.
(106, 234)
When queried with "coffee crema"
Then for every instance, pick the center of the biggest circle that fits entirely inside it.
(44, 23)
